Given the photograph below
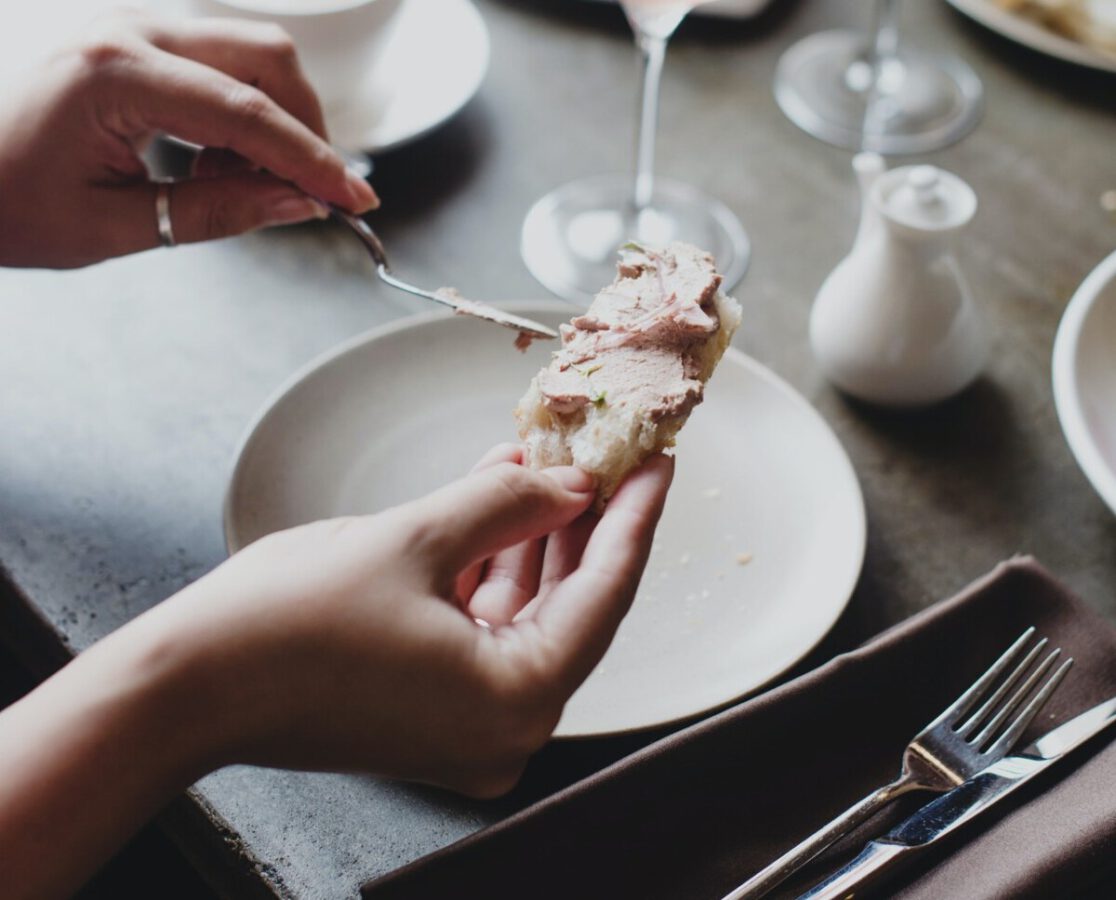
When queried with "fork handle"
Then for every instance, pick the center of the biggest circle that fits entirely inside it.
(778, 871)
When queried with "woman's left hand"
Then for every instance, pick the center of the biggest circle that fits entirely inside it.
(345, 645)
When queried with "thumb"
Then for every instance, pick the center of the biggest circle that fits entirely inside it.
(204, 209)
(497, 507)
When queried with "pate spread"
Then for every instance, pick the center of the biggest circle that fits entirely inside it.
(464, 307)
(636, 343)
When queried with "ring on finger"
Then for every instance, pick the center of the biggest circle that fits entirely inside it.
(162, 214)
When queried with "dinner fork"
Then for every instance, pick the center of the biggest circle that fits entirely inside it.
(375, 248)
(948, 751)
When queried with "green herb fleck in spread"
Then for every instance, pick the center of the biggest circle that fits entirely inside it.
(598, 397)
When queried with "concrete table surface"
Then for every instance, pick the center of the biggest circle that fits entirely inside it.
(126, 386)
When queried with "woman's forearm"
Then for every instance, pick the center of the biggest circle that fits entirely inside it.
(338, 645)
(89, 756)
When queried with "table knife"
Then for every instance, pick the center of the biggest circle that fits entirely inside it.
(951, 810)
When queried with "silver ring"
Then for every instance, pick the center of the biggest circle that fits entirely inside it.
(162, 214)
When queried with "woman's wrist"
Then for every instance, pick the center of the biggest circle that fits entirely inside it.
(93, 753)
(190, 698)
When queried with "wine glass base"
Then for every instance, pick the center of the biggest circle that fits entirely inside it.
(914, 104)
(571, 236)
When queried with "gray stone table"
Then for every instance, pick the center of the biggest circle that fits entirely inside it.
(126, 386)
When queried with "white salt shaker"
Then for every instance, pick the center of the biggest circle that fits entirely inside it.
(894, 323)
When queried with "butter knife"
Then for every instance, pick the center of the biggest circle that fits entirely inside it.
(528, 329)
(952, 810)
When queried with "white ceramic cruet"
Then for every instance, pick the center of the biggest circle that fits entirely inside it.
(895, 323)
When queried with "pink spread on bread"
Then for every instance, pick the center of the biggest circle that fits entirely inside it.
(631, 367)
(634, 344)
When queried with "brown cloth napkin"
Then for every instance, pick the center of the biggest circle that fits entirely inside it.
(694, 814)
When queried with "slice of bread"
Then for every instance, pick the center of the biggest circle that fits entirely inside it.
(631, 368)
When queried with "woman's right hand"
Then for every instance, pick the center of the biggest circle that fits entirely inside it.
(73, 188)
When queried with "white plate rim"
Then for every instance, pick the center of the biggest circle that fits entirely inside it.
(467, 88)
(1032, 35)
(1067, 394)
(858, 528)
(321, 360)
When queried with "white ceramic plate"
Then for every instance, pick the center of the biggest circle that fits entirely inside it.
(400, 410)
(1031, 34)
(433, 65)
(1085, 378)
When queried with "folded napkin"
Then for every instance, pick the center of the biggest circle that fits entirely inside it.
(694, 814)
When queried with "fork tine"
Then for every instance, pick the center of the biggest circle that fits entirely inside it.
(1009, 737)
(964, 703)
(990, 704)
(1017, 698)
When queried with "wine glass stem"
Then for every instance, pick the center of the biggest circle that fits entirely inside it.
(885, 34)
(652, 51)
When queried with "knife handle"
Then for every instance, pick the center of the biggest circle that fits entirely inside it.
(862, 872)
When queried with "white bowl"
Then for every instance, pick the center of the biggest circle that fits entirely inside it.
(1085, 378)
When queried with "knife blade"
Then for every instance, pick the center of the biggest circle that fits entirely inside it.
(950, 811)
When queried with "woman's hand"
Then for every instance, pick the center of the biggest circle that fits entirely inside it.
(73, 189)
(347, 644)
(354, 645)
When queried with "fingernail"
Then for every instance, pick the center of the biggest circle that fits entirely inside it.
(670, 465)
(288, 210)
(664, 461)
(572, 479)
(363, 197)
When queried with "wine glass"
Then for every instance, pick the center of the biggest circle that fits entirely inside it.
(570, 236)
(866, 92)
